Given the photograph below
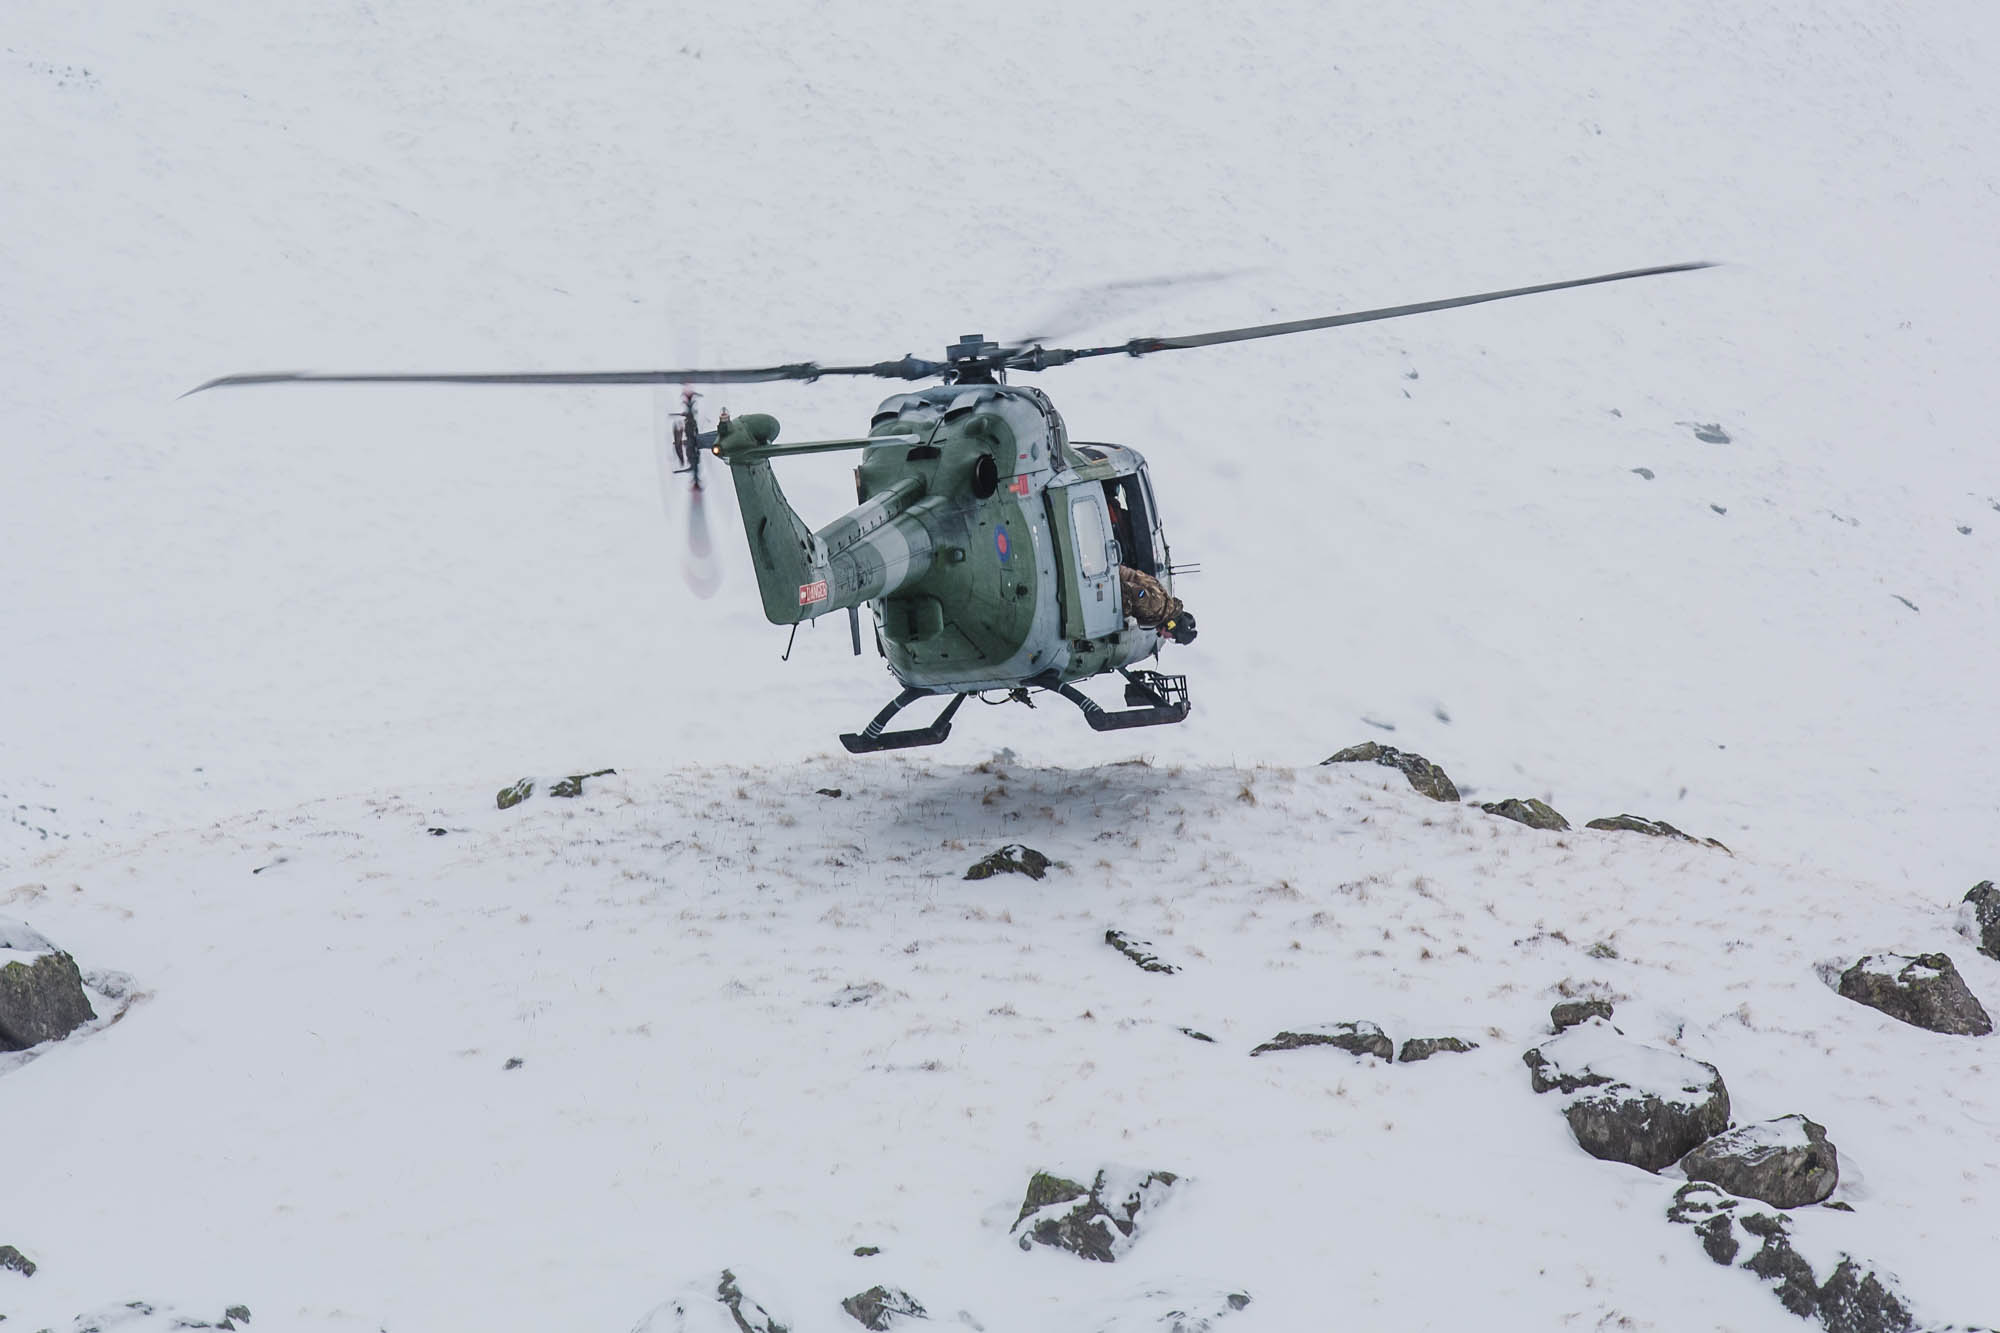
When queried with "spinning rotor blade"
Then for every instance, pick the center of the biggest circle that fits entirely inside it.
(1041, 358)
(909, 368)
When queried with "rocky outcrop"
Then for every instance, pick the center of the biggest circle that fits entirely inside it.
(1533, 813)
(1568, 1013)
(879, 1307)
(1423, 1048)
(1923, 990)
(1139, 951)
(1854, 1298)
(1979, 917)
(571, 786)
(1426, 777)
(1658, 828)
(1011, 859)
(1101, 1222)
(1787, 1162)
(511, 796)
(1626, 1102)
(1361, 1038)
(41, 998)
(14, 1261)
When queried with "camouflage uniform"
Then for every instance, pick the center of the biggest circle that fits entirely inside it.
(1145, 600)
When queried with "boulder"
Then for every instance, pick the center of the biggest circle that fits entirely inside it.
(1568, 1013)
(702, 1308)
(1011, 859)
(878, 1307)
(1099, 1223)
(1658, 828)
(1979, 917)
(1139, 951)
(1533, 813)
(1426, 777)
(572, 786)
(1626, 1102)
(13, 1260)
(509, 797)
(41, 998)
(1423, 1048)
(1787, 1162)
(1923, 990)
(1361, 1038)
(1854, 1298)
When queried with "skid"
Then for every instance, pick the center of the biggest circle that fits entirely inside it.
(1156, 701)
(872, 737)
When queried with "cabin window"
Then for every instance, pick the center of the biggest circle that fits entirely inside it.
(1090, 537)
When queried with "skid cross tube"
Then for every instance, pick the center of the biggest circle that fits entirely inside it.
(872, 737)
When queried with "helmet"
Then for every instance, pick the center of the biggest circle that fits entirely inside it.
(1180, 627)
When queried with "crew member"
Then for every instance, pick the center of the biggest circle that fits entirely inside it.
(1153, 607)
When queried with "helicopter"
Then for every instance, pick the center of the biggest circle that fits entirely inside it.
(995, 554)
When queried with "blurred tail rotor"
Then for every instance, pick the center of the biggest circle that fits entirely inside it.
(678, 444)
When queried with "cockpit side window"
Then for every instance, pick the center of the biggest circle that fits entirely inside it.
(1131, 523)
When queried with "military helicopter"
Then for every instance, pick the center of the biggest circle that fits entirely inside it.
(995, 554)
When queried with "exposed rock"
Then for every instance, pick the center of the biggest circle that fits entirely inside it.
(867, 1251)
(1924, 990)
(14, 1260)
(1362, 1038)
(1787, 1162)
(878, 1307)
(572, 785)
(1658, 828)
(1853, 1299)
(1139, 951)
(748, 1316)
(1979, 917)
(1426, 777)
(510, 797)
(1171, 1312)
(1423, 1048)
(1198, 1036)
(1533, 813)
(830, 792)
(235, 1314)
(1626, 1102)
(1012, 858)
(1098, 1223)
(1708, 432)
(41, 999)
(1568, 1013)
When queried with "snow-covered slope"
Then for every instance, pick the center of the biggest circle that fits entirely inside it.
(760, 1027)
(255, 601)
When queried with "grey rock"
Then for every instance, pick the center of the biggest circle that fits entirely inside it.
(1360, 1038)
(1658, 828)
(509, 797)
(1626, 1102)
(1568, 1013)
(1011, 859)
(572, 786)
(1708, 432)
(1426, 777)
(1166, 1311)
(1533, 813)
(1855, 1298)
(1787, 1162)
(1099, 1223)
(749, 1316)
(1139, 951)
(878, 1307)
(1923, 990)
(1423, 1048)
(1979, 917)
(40, 1001)
(1645, 472)
(13, 1260)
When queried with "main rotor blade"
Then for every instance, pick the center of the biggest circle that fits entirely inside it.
(908, 368)
(1141, 346)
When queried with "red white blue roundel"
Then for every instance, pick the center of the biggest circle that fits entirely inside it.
(1002, 544)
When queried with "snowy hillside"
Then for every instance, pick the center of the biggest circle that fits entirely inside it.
(1717, 548)
(759, 1026)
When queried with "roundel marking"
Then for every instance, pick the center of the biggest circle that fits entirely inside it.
(1003, 544)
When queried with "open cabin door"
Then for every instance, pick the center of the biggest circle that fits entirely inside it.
(1092, 607)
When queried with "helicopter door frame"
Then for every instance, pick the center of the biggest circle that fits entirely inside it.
(1095, 605)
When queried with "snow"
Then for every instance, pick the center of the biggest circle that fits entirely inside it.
(287, 631)
(1595, 1052)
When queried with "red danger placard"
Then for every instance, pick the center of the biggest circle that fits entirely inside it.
(812, 592)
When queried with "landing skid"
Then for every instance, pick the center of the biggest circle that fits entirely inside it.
(872, 737)
(1153, 699)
